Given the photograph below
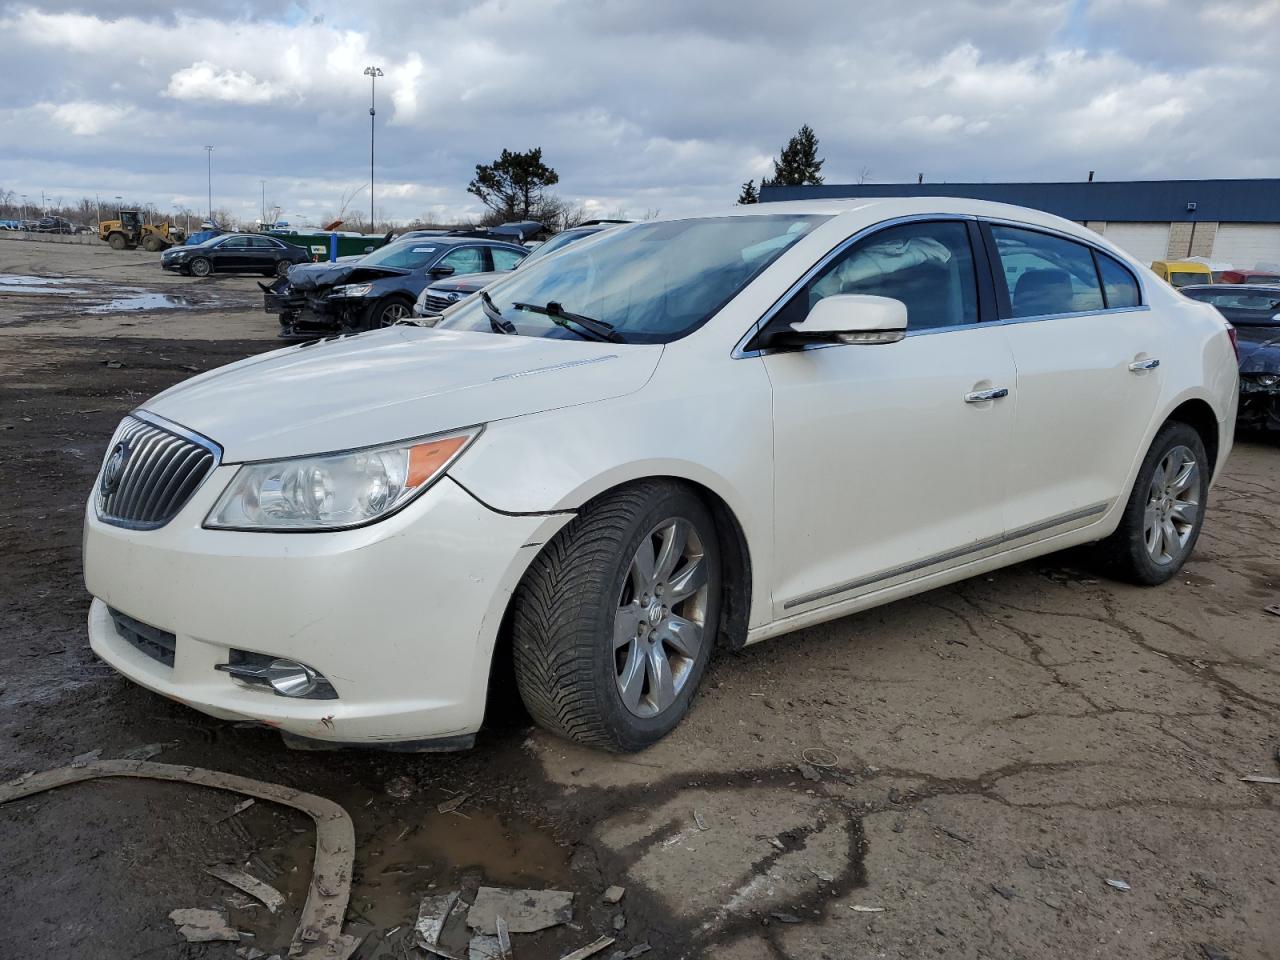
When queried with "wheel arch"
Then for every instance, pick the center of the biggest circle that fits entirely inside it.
(1196, 413)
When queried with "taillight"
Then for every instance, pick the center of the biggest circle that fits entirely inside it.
(1235, 340)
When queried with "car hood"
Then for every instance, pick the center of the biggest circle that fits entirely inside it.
(1259, 349)
(469, 283)
(313, 276)
(394, 384)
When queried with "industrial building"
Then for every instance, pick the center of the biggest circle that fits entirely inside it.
(1231, 222)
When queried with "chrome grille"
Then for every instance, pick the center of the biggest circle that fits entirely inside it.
(150, 472)
(438, 304)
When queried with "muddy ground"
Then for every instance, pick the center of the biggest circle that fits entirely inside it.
(997, 750)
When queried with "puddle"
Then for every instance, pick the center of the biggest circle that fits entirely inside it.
(412, 855)
(143, 301)
(19, 283)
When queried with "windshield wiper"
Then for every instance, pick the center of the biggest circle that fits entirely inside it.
(586, 327)
(496, 320)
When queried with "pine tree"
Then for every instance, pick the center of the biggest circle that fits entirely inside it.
(512, 185)
(798, 164)
(749, 193)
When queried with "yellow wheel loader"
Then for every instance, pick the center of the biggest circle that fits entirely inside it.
(129, 232)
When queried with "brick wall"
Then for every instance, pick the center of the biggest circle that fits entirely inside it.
(1202, 241)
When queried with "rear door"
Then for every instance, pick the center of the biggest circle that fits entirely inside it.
(1087, 352)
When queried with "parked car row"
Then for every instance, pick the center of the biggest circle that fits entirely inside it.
(45, 225)
(680, 436)
(235, 253)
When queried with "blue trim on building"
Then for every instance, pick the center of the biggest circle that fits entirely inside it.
(1127, 201)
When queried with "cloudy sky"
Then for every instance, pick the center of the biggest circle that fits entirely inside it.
(640, 105)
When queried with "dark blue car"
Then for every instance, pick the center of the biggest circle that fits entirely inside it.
(1254, 310)
(378, 289)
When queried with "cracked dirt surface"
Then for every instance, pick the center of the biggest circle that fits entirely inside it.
(993, 752)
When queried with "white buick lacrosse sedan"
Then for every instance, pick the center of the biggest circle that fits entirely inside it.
(677, 436)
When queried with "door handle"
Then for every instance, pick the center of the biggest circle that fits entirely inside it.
(1139, 365)
(982, 396)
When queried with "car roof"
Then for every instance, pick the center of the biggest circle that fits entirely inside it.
(1265, 288)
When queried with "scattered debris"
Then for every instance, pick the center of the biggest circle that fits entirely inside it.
(433, 913)
(777, 843)
(86, 758)
(697, 818)
(1272, 608)
(590, 949)
(1119, 885)
(823, 875)
(504, 938)
(484, 947)
(113, 364)
(1034, 862)
(1007, 892)
(1053, 903)
(145, 752)
(1258, 778)
(819, 757)
(525, 911)
(240, 807)
(1213, 952)
(271, 898)
(449, 806)
(401, 788)
(956, 836)
(786, 918)
(639, 950)
(861, 909)
(619, 922)
(250, 953)
(613, 895)
(319, 935)
(808, 772)
(202, 926)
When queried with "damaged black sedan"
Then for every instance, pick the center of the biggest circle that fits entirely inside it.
(379, 289)
(1254, 310)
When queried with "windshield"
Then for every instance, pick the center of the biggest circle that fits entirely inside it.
(405, 255)
(652, 282)
(1180, 279)
(558, 242)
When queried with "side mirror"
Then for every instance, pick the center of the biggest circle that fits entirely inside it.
(850, 318)
(441, 270)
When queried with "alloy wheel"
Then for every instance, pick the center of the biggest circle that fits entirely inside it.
(392, 314)
(659, 627)
(1173, 505)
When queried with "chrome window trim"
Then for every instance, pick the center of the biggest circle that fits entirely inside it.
(740, 353)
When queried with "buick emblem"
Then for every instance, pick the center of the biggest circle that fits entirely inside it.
(114, 469)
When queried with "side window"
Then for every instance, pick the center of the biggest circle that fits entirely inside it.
(1118, 284)
(466, 260)
(1046, 274)
(505, 259)
(928, 266)
(236, 243)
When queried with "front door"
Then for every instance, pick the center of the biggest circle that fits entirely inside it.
(1089, 377)
(888, 459)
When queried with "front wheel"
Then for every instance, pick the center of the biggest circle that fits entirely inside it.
(387, 313)
(282, 268)
(201, 267)
(117, 241)
(1165, 512)
(614, 622)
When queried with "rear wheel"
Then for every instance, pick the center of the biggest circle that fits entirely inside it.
(614, 622)
(200, 267)
(117, 241)
(1165, 512)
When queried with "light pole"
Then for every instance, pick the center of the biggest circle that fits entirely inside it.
(373, 73)
(264, 200)
(209, 155)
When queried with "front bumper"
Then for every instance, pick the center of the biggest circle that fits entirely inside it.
(1259, 406)
(401, 616)
(174, 265)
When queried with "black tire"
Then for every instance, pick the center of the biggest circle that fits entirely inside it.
(387, 312)
(200, 266)
(117, 241)
(152, 244)
(564, 611)
(1125, 555)
(282, 268)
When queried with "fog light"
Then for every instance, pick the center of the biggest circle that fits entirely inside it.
(291, 679)
(286, 678)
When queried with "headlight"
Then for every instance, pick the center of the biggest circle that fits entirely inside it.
(353, 290)
(1265, 379)
(336, 491)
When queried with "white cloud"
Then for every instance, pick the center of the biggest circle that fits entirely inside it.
(204, 81)
(85, 118)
